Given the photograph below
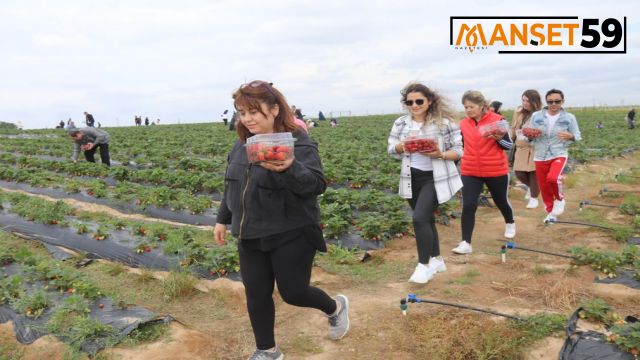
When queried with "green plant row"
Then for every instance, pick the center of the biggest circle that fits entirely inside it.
(190, 245)
(125, 192)
(608, 262)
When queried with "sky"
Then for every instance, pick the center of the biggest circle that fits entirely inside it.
(180, 61)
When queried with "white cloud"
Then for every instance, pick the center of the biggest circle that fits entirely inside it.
(182, 61)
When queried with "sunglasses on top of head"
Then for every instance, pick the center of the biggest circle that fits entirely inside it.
(258, 83)
(551, 102)
(410, 102)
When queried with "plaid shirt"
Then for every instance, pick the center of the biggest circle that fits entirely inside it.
(446, 177)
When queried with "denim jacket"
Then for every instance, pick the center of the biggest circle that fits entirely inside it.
(551, 147)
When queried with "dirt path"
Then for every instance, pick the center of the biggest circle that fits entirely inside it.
(527, 283)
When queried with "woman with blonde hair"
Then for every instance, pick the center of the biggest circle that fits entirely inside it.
(484, 163)
(428, 175)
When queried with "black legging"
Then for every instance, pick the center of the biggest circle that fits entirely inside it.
(471, 189)
(104, 154)
(289, 265)
(529, 178)
(423, 204)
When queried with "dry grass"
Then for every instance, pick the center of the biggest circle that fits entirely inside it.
(456, 335)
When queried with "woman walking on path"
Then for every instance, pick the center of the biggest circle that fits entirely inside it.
(428, 175)
(273, 211)
(484, 163)
(523, 164)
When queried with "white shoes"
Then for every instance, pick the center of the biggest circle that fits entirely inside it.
(421, 274)
(533, 203)
(510, 230)
(558, 207)
(463, 248)
(550, 219)
(437, 265)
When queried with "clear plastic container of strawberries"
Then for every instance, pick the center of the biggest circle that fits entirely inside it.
(495, 128)
(270, 147)
(420, 143)
(531, 132)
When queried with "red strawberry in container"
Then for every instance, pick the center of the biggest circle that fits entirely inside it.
(498, 128)
(531, 132)
(270, 147)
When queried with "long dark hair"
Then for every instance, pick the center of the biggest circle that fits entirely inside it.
(252, 95)
(438, 108)
(534, 99)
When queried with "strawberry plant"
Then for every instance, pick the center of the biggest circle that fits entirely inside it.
(627, 337)
(81, 228)
(143, 248)
(223, 259)
(630, 205)
(101, 233)
(32, 305)
(11, 288)
(598, 310)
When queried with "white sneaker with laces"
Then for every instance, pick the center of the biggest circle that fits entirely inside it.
(558, 207)
(510, 230)
(421, 275)
(550, 219)
(533, 203)
(437, 265)
(463, 248)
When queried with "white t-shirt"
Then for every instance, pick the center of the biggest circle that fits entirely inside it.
(419, 161)
(551, 122)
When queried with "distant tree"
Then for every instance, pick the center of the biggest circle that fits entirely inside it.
(7, 126)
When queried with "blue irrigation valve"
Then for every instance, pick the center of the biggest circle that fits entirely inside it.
(412, 298)
(510, 245)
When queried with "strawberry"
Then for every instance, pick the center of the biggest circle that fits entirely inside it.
(101, 306)
(281, 156)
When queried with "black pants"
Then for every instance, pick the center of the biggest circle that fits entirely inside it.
(423, 203)
(472, 186)
(104, 154)
(289, 265)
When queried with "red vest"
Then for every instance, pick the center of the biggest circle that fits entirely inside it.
(483, 157)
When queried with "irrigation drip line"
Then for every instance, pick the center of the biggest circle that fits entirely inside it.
(583, 224)
(412, 298)
(605, 190)
(589, 202)
(512, 245)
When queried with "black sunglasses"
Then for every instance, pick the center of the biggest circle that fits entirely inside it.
(410, 102)
(550, 102)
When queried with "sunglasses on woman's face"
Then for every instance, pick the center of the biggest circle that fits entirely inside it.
(410, 102)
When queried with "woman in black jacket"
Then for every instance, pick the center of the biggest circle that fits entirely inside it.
(273, 210)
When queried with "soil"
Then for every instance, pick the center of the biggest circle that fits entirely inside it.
(527, 283)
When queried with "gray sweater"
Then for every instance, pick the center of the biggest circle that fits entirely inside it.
(91, 135)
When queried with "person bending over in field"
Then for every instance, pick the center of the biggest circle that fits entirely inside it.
(87, 140)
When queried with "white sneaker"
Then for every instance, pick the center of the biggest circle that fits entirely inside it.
(533, 203)
(463, 248)
(421, 274)
(527, 196)
(437, 265)
(558, 207)
(550, 219)
(510, 230)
